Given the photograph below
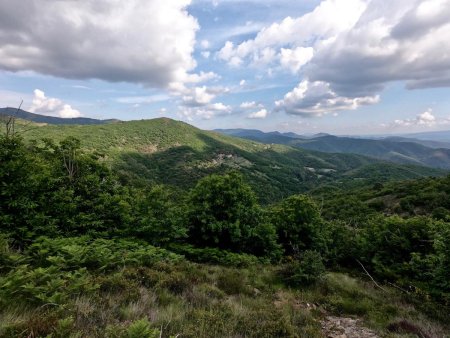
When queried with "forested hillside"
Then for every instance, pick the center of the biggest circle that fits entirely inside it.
(394, 149)
(177, 154)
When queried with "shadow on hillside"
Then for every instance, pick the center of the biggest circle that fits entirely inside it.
(273, 174)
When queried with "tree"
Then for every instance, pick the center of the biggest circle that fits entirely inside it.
(159, 216)
(299, 224)
(224, 213)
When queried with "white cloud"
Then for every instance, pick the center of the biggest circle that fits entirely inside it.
(424, 119)
(248, 105)
(348, 50)
(199, 96)
(205, 112)
(294, 59)
(242, 83)
(140, 41)
(206, 54)
(327, 20)
(317, 98)
(51, 106)
(198, 102)
(400, 42)
(261, 114)
(204, 44)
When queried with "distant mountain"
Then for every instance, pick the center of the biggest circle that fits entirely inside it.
(398, 150)
(426, 143)
(259, 136)
(22, 114)
(170, 152)
(441, 136)
(394, 151)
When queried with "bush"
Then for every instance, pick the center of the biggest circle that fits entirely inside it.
(141, 329)
(43, 285)
(305, 270)
(216, 256)
(96, 254)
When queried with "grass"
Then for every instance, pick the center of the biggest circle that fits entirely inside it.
(197, 300)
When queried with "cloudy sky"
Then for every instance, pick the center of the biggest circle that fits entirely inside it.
(338, 66)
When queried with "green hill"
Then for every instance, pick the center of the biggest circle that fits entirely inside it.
(22, 114)
(175, 153)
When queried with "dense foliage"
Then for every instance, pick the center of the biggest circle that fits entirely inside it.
(67, 221)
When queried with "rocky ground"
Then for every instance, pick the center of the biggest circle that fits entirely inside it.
(342, 327)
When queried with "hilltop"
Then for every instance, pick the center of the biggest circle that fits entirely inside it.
(175, 153)
(22, 114)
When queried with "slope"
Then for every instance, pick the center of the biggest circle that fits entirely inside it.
(398, 150)
(175, 153)
(22, 114)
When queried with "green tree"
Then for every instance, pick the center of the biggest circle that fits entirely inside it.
(224, 213)
(23, 178)
(299, 224)
(159, 215)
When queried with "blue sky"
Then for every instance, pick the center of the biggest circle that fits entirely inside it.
(336, 66)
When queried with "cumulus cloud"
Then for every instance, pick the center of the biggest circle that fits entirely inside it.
(327, 20)
(51, 106)
(140, 41)
(294, 59)
(260, 114)
(201, 96)
(205, 112)
(317, 98)
(199, 102)
(250, 105)
(349, 50)
(424, 119)
(400, 42)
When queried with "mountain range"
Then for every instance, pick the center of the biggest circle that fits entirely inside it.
(433, 153)
(175, 153)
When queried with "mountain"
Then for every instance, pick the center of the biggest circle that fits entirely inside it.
(22, 114)
(260, 136)
(426, 143)
(441, 136)
(394, 151)
(398, 150)
(175, 153)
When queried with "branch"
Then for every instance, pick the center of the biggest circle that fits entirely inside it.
(368, 274)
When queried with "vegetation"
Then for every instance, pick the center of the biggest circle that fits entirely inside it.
(85, 252)
(168, 152)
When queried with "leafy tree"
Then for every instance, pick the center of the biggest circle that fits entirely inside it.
(387, 244)
(22, 180)
(299, 224)
(159, 215)
(224, 213)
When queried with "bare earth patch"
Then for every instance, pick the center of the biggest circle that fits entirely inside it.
(341, 327)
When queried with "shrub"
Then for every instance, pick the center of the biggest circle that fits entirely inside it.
(141, 329)
(43, 285)
(305, 270)
(216, 256)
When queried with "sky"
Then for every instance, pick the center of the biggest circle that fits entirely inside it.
(337, 66)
